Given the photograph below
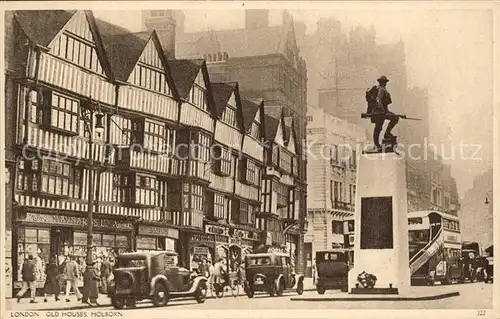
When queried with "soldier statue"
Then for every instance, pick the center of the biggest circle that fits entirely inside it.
(378, 99)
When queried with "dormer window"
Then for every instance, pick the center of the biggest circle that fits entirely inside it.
(197, 96)
(229, 116)
(77, 50)
(255, 130)
(150, 78)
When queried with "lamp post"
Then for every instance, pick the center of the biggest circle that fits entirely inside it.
(88, 111)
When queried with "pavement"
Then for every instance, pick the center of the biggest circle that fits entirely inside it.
(103, 301)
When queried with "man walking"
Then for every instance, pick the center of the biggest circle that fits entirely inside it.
(381, 112)
(105, 273)
(29, 277)
(71, 274)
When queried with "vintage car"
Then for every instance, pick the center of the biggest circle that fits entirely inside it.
(153, 276)
(470, 263)
(332, 268)
(488, 265)
(272, 273)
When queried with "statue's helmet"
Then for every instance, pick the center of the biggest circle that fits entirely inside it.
(383, 78)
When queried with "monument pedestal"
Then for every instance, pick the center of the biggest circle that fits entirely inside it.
(381, 225)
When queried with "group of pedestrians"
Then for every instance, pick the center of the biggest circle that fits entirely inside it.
(69, 273)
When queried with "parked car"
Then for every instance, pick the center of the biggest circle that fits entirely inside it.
(153, 276)
(332, 268)
(272, 273)
(488, 265)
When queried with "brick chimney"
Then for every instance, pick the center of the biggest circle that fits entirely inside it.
(217, 65)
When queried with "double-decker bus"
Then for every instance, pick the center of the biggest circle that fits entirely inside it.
(434, 246)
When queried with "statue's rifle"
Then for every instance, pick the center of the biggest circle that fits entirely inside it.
(369, 115)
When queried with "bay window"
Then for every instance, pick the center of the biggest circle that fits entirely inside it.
(154, 136)
(201, 144)
(193, 197)
(219, 202)
(249, 171)
(146, 190)
(222, 161)
(59, 112)
(49, 176)
(247, 213)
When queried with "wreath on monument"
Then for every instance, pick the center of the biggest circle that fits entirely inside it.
(367, 280)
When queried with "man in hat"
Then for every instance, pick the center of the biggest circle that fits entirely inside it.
(29, 278)
(382, 113)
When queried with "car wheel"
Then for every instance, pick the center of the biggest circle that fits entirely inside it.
(272, 290)
(320, 290)
(201, 293)
(118, 303)
(281, 288)
(160, 296)
(300, 288)
(219, 290)
(249, 292)
(430, 282)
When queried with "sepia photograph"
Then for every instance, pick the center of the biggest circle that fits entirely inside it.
(242, 157)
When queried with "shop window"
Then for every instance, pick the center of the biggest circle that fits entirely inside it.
(35, 242)
(105, 245)
(337, 227)
(229, 116)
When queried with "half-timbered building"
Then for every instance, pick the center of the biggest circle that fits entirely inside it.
(177, 165)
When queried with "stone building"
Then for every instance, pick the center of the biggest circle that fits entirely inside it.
(264, 60)
(334, 146)
(477, 211)
(157, 184)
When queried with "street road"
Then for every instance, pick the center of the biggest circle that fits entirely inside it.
(472, 296)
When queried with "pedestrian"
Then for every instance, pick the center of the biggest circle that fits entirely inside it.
(51, 286)
(71, 275)
(203, 268)
(105, 274)
(90, 284)
(219, 272)
(29, 277)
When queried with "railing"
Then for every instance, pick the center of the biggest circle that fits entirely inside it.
(420, 258)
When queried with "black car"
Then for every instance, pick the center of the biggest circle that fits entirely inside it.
(332, 269)
(272, 273)
(153, 276)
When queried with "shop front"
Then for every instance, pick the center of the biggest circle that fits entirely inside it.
(44, 234)
(154, 237)
(200, 246)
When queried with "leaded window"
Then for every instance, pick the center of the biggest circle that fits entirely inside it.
(154, 136)
(197, 97)
(229, 116)
(219, 206)
(78, 51)
(255, 130)
(150, 78)
(146, 190)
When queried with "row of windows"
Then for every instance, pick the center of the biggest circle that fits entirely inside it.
(151, 79)
(77, 51)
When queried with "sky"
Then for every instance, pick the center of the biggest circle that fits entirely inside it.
(448, 50)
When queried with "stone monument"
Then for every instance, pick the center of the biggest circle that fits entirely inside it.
(381, 225)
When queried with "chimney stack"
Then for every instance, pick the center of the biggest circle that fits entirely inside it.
(217, 66)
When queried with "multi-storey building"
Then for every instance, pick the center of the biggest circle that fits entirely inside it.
(334, 145)
(179, 164)
(274, 72)
(476, 215)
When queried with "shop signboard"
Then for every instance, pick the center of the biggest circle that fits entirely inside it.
(216, 230)
(147, 230)
(200, 250)
(75, 221)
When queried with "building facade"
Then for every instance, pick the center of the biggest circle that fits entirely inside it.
(334, 147)
(178, 166)
(476, 215)
(274, 72)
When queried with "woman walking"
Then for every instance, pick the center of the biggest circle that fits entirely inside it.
(51, 286)
(90, 282)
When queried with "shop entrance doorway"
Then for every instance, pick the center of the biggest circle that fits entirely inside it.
(61, 239)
